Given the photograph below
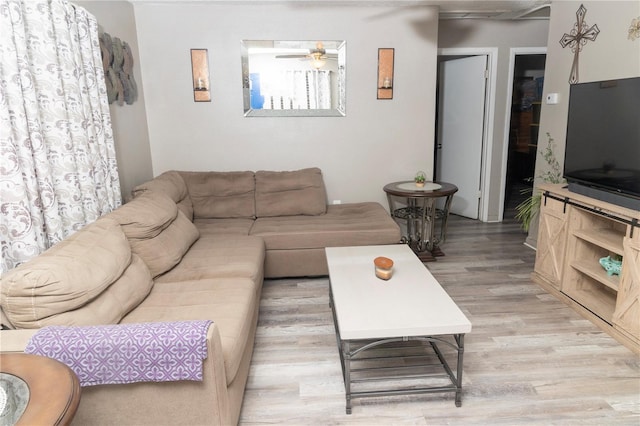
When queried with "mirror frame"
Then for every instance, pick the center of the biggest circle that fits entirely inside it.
(338, 111)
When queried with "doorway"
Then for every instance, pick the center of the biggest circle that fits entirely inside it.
(524, 123)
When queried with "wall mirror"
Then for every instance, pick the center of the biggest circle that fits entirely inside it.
(294, 78)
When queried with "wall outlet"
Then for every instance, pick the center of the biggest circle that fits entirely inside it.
(336, 202)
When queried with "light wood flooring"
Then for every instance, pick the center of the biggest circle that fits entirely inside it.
(529, 359)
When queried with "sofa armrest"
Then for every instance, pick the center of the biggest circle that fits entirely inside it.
(15, 340)
(154, 403)
(182, 402)
(165, 351)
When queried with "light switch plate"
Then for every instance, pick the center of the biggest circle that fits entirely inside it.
(552, 98)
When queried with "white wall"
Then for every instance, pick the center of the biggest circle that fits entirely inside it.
(129, 122)
(612, 55)
(503, 35)
(379, 141)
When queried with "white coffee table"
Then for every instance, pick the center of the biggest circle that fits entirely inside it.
(393, 327)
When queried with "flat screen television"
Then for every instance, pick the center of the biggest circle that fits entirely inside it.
(602, 157)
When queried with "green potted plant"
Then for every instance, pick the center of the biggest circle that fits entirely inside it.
(420, 178)
(530, 206)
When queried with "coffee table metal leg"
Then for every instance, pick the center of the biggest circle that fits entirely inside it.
(460, 340)
(346, 355)
(456, 379)
(344, 350)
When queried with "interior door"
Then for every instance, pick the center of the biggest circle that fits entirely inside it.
(461, 109)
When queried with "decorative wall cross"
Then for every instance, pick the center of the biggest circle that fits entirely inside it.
(577, 38)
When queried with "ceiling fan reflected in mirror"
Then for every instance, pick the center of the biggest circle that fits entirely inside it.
(318, 56)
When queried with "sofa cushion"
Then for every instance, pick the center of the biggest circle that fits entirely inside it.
(231, 226)
(88, 278)
(165, 250)
(343, 225)
(172, 185)
(146, 216)
(290, 193)
(157, 231)
(220, 256)
(230, 302)
(115, 302)
(221, 194)
(6, 324)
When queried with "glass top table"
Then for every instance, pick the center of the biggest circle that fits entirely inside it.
(418, 208)
(37, 390)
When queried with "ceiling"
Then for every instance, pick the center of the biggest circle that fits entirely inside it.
(466, 9)
(477, 9)
(449, 9)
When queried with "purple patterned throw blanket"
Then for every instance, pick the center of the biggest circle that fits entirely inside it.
(127, 353)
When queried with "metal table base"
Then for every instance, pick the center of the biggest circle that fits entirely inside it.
(415, 365)
(417, 209)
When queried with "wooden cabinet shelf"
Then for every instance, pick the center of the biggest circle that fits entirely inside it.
(609, 239)
(597, 273)
(597, 300)
(575, 232)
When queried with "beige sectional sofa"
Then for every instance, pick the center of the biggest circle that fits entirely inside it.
(288, 210)
(189, 246)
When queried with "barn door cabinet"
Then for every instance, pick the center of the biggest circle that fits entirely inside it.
(552, 237)
(575, 232)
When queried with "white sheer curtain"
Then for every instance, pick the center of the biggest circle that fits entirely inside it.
(58, 170)
(298, 89)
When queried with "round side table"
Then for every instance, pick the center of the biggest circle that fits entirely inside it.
(41, 390)
(416, 206)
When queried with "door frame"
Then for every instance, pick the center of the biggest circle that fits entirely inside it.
(489, 112)
(513, 52)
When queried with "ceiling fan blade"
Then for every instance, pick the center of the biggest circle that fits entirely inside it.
(324, 58)
(290, 56)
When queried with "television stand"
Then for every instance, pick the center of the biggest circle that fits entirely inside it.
(575, 232)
